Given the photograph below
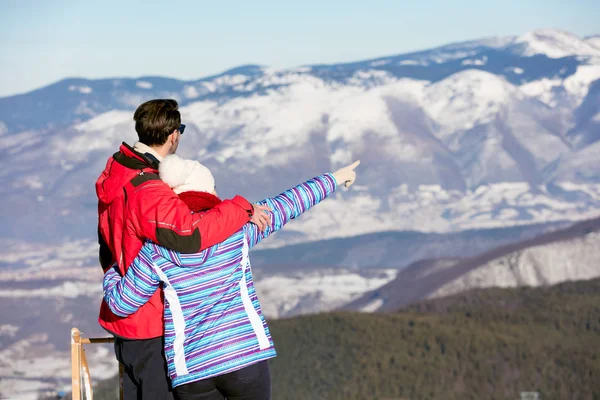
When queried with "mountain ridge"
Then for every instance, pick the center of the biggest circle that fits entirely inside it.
(462, 136)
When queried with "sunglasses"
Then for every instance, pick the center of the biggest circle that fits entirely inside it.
(181, 129)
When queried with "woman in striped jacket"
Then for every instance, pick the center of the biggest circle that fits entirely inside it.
(216, 337)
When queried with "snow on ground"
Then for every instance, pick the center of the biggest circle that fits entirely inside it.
(476, 61)
(578, 84)
(298, 293)
(144, 84)
(190, 92)
(433, 209)
(535, 266)
(32, 259)
(372, 306)
(102, 133)
(515, 70)
(80, 89)
(66, 289)
(542, 90)
(31, 367)
(594, 41)
(467, 98)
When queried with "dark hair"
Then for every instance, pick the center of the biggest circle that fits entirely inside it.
(155, 120)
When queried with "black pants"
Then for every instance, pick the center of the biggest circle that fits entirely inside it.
(145, 369)
(250, 383)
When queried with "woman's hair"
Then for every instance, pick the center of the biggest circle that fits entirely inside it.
(155, 120)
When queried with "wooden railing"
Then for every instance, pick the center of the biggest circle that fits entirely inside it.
(81, 380)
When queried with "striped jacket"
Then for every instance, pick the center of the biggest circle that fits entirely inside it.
(213, 323)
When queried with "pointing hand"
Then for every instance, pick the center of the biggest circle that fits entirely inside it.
(346, 175)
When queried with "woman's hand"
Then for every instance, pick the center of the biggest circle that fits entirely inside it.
(346, 175)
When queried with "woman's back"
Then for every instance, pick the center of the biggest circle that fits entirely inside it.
(213, 319)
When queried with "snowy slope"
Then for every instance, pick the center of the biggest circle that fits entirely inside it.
(543, 265)
(554, 43)
(568, 254)
(593, 40)
(427, 150)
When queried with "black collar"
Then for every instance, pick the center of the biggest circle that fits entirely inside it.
(144, 161)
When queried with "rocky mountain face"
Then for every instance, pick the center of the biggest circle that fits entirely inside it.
(559, 256)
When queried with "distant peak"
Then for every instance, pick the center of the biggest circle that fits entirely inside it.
(554, 43)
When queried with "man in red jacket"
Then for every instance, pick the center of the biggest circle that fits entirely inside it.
(134, 205)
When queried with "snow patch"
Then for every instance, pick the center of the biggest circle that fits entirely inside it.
(144, 84)
(542, 90)
(380, 63)
(103, 132)
(413, 62)
(8, 330)
(230, 80)
(30, 181)
(373, 77)
(320, 291)
(372, 306)
(479, 61)
(190, 92)
(578, 84)
(80, 89)
(515, 70)
(69, 290)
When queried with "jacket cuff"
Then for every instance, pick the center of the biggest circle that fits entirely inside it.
(245, 204)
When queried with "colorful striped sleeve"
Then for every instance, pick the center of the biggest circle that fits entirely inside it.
(125, 295)
(290, 204)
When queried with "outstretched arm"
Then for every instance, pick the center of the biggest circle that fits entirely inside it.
(290, 204)
(125, 295)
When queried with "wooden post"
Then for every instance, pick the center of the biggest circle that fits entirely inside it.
(76, 364)
(79, 364)
(87, 379)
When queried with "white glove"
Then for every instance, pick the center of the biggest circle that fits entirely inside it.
(346, 175)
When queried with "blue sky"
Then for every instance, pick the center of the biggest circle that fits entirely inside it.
(45, 41)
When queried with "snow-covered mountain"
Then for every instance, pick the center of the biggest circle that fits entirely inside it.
(492, 132)
(499, 133)
(563, 255)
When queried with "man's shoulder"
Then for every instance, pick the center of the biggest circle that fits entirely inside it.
(144, 177)
(148, 183)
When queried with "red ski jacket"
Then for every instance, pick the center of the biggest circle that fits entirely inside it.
(134, 205)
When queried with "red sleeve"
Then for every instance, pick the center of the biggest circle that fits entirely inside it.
(165, 219)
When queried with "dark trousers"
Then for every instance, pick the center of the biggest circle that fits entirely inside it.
(145, 369)
(250, 383)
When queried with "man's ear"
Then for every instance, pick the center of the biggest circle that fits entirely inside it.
(172, 137)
